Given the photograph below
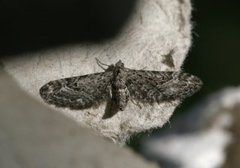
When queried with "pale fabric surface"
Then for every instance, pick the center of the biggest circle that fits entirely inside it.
(156, 29)
(34, 136)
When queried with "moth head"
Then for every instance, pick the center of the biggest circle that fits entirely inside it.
(119, 64)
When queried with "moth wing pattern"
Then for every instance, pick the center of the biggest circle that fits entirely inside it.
(78, 92)
(159, 86)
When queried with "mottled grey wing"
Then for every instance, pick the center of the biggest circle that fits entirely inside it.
(159, 86)
(78, 92)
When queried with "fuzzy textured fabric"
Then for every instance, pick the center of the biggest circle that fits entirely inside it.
(32, 135)
(157, 37)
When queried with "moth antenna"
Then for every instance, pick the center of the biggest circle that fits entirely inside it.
(101, 64)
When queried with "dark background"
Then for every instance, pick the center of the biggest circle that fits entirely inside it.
(215, 55)
(30, 25)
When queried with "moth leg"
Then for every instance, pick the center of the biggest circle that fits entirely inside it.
(136, 103)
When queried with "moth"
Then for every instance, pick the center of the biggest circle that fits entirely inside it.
(118, 85)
